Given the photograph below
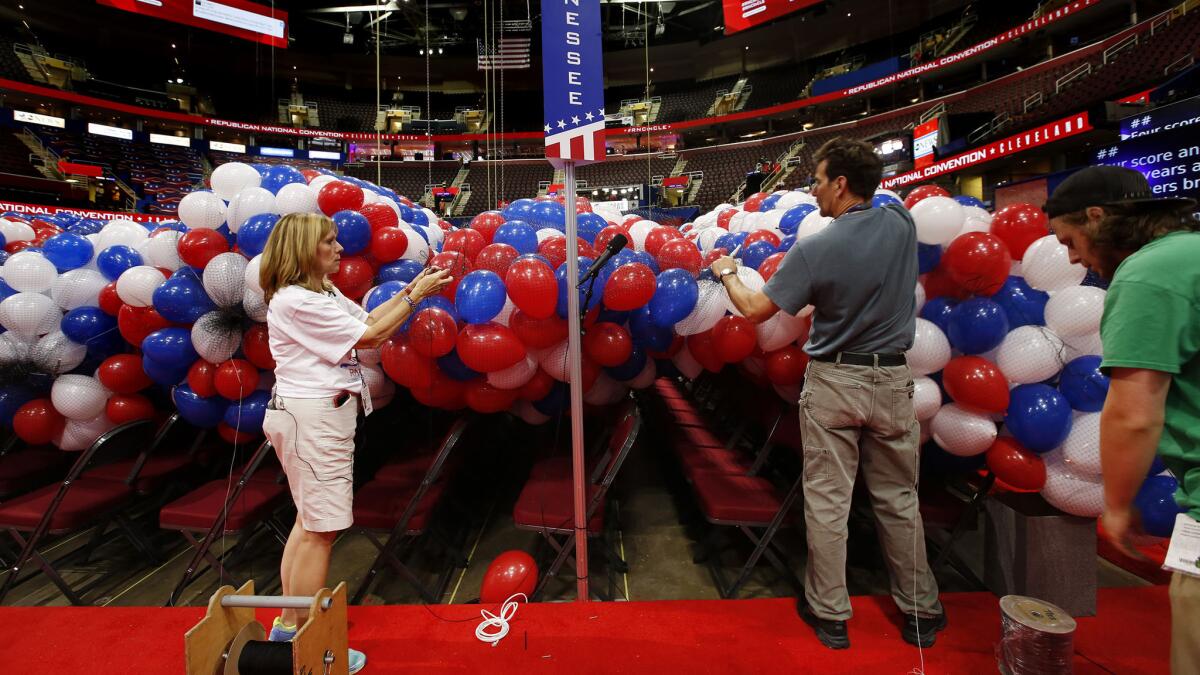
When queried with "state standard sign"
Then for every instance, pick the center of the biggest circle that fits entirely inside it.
(572, 81)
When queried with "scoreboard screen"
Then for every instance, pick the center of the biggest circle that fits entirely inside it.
(743, 14)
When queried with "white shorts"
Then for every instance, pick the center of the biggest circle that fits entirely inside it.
(315, 444)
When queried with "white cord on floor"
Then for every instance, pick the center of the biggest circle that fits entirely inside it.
(507, 611)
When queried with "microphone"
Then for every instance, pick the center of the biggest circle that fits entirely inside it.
(618, 242)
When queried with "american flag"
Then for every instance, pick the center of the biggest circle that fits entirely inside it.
(508, 53)
(576, 137)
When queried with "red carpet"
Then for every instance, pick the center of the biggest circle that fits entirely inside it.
(1129, 635)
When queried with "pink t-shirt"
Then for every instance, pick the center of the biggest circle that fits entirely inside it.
(312, 338)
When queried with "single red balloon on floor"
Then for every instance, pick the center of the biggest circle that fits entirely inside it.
(510, 573)
(123, 374)
(978, 262)
(1018, 226)
(659, 236)
(405, 365)
(489, 347)
(704, 350)
(1015, 465)
(629, 287)
(976, 383)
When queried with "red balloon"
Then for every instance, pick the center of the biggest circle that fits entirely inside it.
(199, 246)
(607, 344)
(770, 265)
(761, 235)
(785, 366)
(310, 174)
(388, 244)
(510, 573)
(443, 392)
(724, 217)
(701, 347)
(110, 303)
(135, 323)
(235, 379)
(353, 278)
(488, 347)
(659, 236)
(456, 263)
(555, 249)
(533, 288)
(201, 378)
(976, 383)
(679, 253)
(754, 201)
(432, 333)
(407, 202)
(339, 195)
(257, 348)
(939, 284)
(537, 333)
(711, 257)
(497, 258)
(37, 422)
(379, 216)
(122, 408)
(630, 220)
(978, 262)
(1018, 226)
(487, 223)
(629, 287)
(233, 436)
(484, 398)
(582, 205)
(734, 338)
(403, 364)
(923, 192)
(469, 242)
(123, 374)
(605, 236)
(1015, 465)
(18, 246)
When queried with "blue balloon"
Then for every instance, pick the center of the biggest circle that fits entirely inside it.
(1156, 467)
(939, 310)
(645, 333)
(419, 217)
(5, 289)
(453, 366)
(422, 234)
(182, 298)
(171, 347)
(968, 200)
(754, 254)
(538, 257)
(353, 231)
(1083, 384)
(1039, 417)
(769, 203)
(197, 410)
(114, 260)
(517, 234)
(230, 237)
(1022, 304)
(86, 226)
(977, 325)
(277, 176)
(560, 276)
(632, 366)
(557, 402)
(646, 259)
(730, 241)
(928, 256)
(89, 326)
(248, 413)
(612, 316)
(548, 214)
(1155, 502)
(882, 200)
(518, 210)
(790, 222)
(170, 225)
(480, 296)
(675, 296)
(67, 251)
(382, 293)
(589, 225)
(253, 235)
(787, 243)
(167, 375)
(401, 270)
(406, 212)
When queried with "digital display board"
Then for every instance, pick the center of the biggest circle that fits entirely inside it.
(743, 14)
(239, 18)
(1170, 161)
(925, 139)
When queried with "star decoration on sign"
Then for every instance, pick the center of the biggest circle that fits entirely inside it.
(589, 116)
(547, 128)
(575, 119)
(562, 124)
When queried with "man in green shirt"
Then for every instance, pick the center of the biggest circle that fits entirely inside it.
(1150, 250)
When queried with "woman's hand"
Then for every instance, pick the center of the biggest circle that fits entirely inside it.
(429, 282)
(421, 275)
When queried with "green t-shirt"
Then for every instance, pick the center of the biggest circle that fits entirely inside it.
(1152, 320)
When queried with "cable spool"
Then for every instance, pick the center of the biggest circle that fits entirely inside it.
(1036, 637)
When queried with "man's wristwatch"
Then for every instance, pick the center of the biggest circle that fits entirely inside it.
(724, 273)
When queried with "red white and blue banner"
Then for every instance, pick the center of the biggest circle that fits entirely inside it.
(572, 81)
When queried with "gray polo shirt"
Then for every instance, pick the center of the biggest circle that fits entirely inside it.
(859, 273)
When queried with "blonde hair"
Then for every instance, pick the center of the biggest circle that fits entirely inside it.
(290, 256)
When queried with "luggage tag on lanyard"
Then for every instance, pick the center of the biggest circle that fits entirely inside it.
(364, 390)
(1183, 553)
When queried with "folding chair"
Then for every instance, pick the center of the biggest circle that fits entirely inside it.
(78, 502)
(217, 508)
(401, 500)
(150, 470)
(24, 469)
(547, 503)
(938, 513)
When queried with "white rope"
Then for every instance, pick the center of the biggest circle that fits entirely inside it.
(500, 622)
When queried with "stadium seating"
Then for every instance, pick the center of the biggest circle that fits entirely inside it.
(408, 178)
(621, 171)
(511, 179)
(14, 156)
(688, 101)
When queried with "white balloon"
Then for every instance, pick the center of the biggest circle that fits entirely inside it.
(1081, 450)
(29, 271)
(529, 414)
(1047, 266)
(927, 398)
(225, 279)
(709, 236)
(382, 389)
(710, 307)
(15, 230)
(78, 287)
(231, 178)
(202, 209)
(56, 353)
(436, 234)
(1084, 345)
(249, 202)
(919, 294)
(1071, 492)
(296, 198)
(120, 232)
(514, 376)
(930, 351)
(136, 285)
(79, 397)
(779, 330)
(251, 274)
(214, 338)
(938, 220)
(812, 224)
(638, 232)
(751, 279)
(15, 348)
(370, 357)
(506, 312)
(320, 182)
(255, 307)
(961, 432)
(1031, 354)
(80, 434)
(547, 233)
(554, 362)
(162, 250)
(1075, 311)
(29, 315)
(686, 363)
(417, 249)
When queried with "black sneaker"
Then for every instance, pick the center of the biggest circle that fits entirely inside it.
(831, 633)
(929, 629)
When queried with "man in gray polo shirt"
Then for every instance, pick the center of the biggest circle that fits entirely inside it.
(856, 407)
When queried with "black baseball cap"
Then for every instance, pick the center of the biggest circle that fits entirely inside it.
(1108, 186)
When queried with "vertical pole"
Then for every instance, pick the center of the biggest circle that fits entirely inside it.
(575, 364)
